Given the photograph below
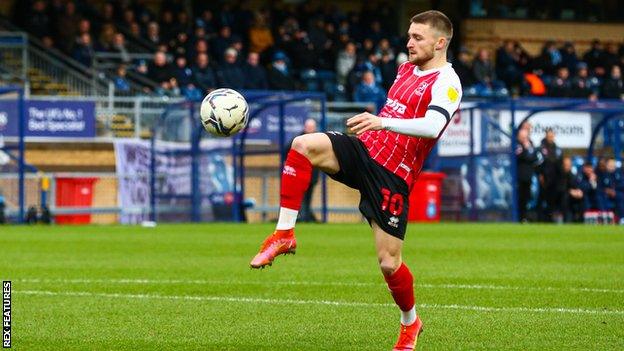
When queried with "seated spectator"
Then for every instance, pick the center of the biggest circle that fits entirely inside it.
(573, 196)
(38, 21)
(67, 26)
(230, 74)
(582, 85)
(159, 70)
(388, 68)
(594, 57)
(105, 41)
(83, 50)
(507, 65)
(606, 185)
(534, 84)
(589, 186)
(345, 62)
(550, 59)
(613, 87)
(369, 91)
(485, 74)
(120, 81)
(221, 42)
(203, 74)
(255, 74)
(152, 34)
(561, 85)
(119, 47)
(569, 58)
(279, 75)
(463, 68)
(182, 72)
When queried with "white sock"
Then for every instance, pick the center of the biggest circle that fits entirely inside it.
(287, 218)
(408, 317)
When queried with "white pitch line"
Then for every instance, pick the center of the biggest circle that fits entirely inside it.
(316, 302)
(312, 283)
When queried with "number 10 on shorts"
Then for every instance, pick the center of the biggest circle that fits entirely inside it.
(392, 203)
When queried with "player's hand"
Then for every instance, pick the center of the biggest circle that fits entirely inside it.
(358, 124)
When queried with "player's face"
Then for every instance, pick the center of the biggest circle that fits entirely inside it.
(421, 43)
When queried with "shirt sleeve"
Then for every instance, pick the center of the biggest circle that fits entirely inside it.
(446, 94)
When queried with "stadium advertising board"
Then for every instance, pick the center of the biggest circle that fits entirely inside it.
(264, 128)
(572, 130)
(49, 118)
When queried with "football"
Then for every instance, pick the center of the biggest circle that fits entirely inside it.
(224, 112)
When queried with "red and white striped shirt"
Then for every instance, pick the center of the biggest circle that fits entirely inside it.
(412, 94)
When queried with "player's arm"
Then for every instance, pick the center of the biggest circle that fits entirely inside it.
(445, 97)
(428, 126)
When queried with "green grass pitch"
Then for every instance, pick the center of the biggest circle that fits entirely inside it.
(189, 287)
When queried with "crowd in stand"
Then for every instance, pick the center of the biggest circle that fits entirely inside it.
(556, 72)
(566, 192)
(288, 47)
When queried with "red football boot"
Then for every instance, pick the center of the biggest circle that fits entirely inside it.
(409, 336)
(279, 243)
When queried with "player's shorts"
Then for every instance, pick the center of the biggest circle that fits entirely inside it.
(384, 196)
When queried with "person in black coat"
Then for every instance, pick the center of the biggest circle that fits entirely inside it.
(279, 74)
(573, 194)
(230, 74)
(613, 87)
(255, 74)
(551, 179)
(527, 158)
(203, 74)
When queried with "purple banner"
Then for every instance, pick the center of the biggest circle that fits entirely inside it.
(265, 126)
(47, 118)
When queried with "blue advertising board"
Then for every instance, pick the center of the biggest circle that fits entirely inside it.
(265, 126)
(48, 118)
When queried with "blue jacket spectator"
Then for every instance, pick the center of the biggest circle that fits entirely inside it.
(83, 51)
(369, 91)
(182, 72)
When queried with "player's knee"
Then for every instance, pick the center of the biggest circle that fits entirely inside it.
(388, 264)
(299, 144)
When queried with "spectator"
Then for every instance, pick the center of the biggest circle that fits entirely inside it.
(208, 23)
(573, 195)
(549, 59)
(221, 42)
(582, 85)
(561, 85)
(119, 47)
(203, 74)
(345, 62)
(507, 67)
(83, 50)
(613, 87)
(279, 74)
(255, 74)
(260, 36)
(159, 70)
(528, 158)
(463, 68)
(369, 91)
(569, 58)
(167, 26)
(550, 179)
(618, 180)
(230, 74)
(120, 81)
(594, 56)
(153, 34)
(182, 72)
(605, 175)
(388, 70)
(105, 41)
(589, 186)
(485, 73)
(610, 57)
(302, 52)
(67, 27)
(181, 45)
(38, 21)
(200, 47)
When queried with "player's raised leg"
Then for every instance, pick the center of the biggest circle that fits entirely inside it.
(307, 151)
(401, 284)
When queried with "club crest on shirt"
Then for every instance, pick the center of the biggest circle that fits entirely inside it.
(421, 88)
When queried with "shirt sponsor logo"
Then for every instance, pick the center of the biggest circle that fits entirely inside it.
(396, 106)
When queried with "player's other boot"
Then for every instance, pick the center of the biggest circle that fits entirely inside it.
(279, 243)
(408, 336)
